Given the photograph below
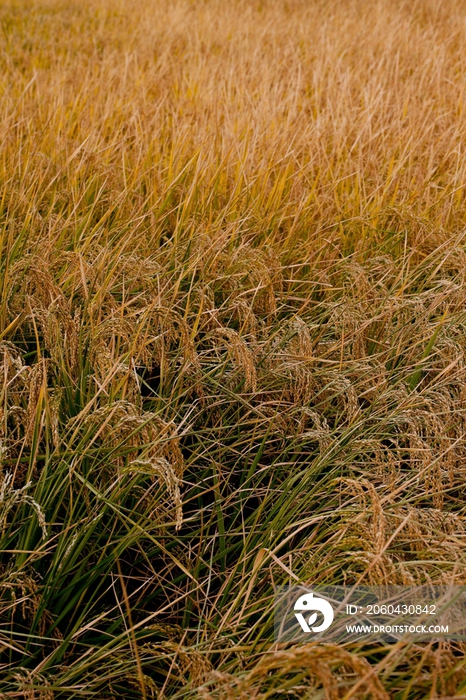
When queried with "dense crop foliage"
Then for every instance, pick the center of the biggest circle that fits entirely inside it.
(232, 339)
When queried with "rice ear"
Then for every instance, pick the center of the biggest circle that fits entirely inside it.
(161, 468)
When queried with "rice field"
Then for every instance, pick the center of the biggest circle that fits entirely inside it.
(232, 340)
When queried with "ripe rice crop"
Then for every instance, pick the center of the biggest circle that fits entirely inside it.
(232, 339)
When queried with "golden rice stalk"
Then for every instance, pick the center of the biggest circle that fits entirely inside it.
(54, 403)
(23, 591)
(37, 379)
(347, 319)
(73, 272)
(337, 388)
(238, 311)
(157, 328)
(204, 314)
(10, 497)
(312, 665)
(300, 343)
(41, 301)
(251, 274)
(288, 355)
(13, 382)
(429, 533)
(141, 277)
(161, 468)
(243, 357)
(37, 290)
(321, 431)
(60, 332)
(33, 685)
(122, 423)
(188, 661)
